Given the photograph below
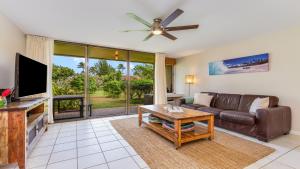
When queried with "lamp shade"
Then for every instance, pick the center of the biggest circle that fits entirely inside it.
(189, 79)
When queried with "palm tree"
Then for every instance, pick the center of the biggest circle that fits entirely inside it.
(121, 67)
(81, 65)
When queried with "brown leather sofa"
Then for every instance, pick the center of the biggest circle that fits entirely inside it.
(232, 112)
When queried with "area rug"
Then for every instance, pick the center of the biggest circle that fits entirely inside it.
(224, 152)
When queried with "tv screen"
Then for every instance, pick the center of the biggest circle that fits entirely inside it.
(30, 76)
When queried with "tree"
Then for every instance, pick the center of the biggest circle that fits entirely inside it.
(144, 71)
(102, 68)
(61, 72)
(140, 87)
(81, 65)
(77, 84)
(113, 88)
(121, 67)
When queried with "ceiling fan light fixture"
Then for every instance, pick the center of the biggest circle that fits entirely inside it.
(156, 28)
(157, 32)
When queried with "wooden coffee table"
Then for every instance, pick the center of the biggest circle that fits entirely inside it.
(187, 116)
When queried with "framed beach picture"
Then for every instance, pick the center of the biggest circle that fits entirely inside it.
(248, 64)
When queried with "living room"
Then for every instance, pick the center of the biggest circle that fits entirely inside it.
(174, 84)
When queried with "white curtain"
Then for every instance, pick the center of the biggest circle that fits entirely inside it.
(41, 49)
(160, 91)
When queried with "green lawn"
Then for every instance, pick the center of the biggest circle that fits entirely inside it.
(99, 100)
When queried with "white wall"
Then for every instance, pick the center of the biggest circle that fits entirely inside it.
(12, 40)
(283, 79)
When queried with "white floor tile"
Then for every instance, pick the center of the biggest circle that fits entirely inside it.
(69, 129)
(117, 151)
(65, 139)
(125, 163)
(116, 154)
(85, 136)
(102, 166)
(99, 124)
(87, 142)
(88, 150)
(79, 132)
(107, 138)
(41, 151)
(101, 128)
(103, 133)
(41, 167)
(124, 143)
(38, 161)
(291, 159)
(67, 134)
(276, 165)
(65, 146)
(44, 142)
(110, 145)
(131, 150)
(48, 136)
(68, 164)
(90, 160)
(140, 161)
(84, 127)
(119, 137)
(63, 155)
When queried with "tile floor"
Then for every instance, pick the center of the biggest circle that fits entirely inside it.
(95, 144)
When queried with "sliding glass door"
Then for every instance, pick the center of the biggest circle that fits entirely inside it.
(68, 87)
(111, 81)
(141, 80)
(108, 71)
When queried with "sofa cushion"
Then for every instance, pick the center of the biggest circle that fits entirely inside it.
(212, 103)
(202, 99)
(238, 117)
(213, 110)
(227, 101)
(192, 106)
(189, 100)
(247, 100)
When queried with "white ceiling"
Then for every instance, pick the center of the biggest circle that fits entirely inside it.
(100, 22)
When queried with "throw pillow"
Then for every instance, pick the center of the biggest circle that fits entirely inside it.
(259, 103)
(189, 100)
(202, 99)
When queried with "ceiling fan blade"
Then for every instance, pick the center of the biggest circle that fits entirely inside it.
(133, 16)
(178, 28)
(142, 30)
(166, 34)
(148, 37)
(171, 17)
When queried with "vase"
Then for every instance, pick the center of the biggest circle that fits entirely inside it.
(3, 101)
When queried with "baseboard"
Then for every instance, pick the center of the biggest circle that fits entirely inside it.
(295, 132)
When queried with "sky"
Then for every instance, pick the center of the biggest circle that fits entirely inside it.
(72, 63)
(245, 59)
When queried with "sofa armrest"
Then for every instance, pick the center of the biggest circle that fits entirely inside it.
(273, 122)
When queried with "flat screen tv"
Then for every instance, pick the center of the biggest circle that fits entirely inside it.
(30, 77)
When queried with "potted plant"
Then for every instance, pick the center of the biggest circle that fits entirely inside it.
(3, 100)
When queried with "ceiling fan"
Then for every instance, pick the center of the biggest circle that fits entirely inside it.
(159, 26)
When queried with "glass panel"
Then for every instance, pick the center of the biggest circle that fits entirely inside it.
(141, 85)
(68, 86)
(107, 81)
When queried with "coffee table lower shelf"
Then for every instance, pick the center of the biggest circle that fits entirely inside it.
(198, 133)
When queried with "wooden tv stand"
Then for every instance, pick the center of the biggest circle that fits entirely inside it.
(21, 126)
